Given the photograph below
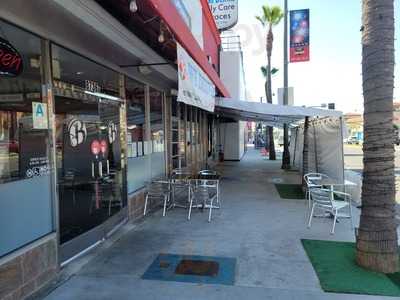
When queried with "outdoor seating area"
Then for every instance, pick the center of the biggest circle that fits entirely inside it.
(329, 196)
(187, 190)
(259, 241)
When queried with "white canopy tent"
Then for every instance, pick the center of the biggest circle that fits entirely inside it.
(325, 131)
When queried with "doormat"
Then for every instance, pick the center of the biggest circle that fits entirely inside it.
(291, 191)
(337, 271)
(193, 269)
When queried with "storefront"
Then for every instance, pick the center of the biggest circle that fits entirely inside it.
(80, 137)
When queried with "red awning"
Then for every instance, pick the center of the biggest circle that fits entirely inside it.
(183, 35)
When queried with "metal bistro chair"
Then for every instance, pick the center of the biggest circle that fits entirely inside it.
(180, 182)
(158, 189)
(202, 195)
(324, 199)
(213, 175)
(313, 181)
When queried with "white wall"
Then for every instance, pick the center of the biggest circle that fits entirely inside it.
(232, 73)
(232, 139)
(233, 77)
(195, 11)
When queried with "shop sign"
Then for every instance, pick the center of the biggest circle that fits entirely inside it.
(194, 86)
(225, 13)
(77, 132)
(300, 35)
(11, 62)
(39, 115)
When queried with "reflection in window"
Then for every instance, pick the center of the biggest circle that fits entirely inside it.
(136, 118)
(156, 121)
(23, 150)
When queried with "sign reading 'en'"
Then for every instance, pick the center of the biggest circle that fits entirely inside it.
(195, 88)
(299, 35)
(11, 63)
(225, 13)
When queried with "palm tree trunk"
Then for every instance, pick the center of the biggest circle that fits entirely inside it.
(270, 39)
(377, 244)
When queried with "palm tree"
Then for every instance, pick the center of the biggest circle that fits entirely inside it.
(377, 241)
(271, 17)
(270, 130)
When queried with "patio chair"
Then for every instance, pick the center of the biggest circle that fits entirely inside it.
(202, 194)
(324, 200)
(211, 174)
(158, 189)
(180, 182)
(313, 181)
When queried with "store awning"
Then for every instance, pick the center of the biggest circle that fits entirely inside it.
(170, 15)
(272, 114)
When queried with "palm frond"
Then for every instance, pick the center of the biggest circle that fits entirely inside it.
(267, 13)
(262, 21)
(264, 71)
(276, 15)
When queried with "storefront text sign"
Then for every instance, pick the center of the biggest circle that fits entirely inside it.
(225, 13)
(299, 35)
(39, 115)
(11, 63)
(194, 86)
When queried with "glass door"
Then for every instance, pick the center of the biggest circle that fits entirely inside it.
(90, 177)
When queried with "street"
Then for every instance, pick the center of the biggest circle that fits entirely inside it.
(353, 158)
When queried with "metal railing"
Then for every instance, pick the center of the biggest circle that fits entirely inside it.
(231, 43)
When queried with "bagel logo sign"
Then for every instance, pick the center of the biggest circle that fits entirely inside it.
(77, 133)
(225, 13)
(11, 62)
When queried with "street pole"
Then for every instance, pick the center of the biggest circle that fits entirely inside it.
(286, 154)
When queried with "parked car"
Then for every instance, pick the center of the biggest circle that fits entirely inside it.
(353, 140)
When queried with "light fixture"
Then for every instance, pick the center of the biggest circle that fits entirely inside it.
(161, 37)
(133, 7)
(131, 127)
(104, 96)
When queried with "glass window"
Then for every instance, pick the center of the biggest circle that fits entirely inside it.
(138, 158)
(157, 133)
(24, 143)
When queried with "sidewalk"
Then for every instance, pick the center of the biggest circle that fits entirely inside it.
(255, 226)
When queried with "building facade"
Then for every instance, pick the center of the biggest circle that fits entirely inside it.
(88, 115)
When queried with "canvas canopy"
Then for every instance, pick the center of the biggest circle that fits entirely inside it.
(271, 114)
(325, 133)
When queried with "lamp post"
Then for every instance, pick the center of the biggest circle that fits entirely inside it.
(286, 153)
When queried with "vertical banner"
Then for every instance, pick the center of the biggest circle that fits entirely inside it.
(195, 88)
(300, 35)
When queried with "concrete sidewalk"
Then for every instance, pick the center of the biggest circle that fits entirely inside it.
(257, 227)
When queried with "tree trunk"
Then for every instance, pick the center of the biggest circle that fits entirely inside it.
(305, 151)
(268, 90)
(377, 244)
(286, 153)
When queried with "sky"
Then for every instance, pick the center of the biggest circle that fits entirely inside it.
(334, 71)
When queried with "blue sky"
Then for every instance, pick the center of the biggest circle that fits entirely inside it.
(334, 72)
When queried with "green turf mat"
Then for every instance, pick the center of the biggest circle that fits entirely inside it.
(334, 263)
(290, 191)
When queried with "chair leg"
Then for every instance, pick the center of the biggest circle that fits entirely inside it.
(165, 205)
(211, 206)
(334, 221)
(311, 216)
(145, 205)
(190, 207)
(351, 215)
